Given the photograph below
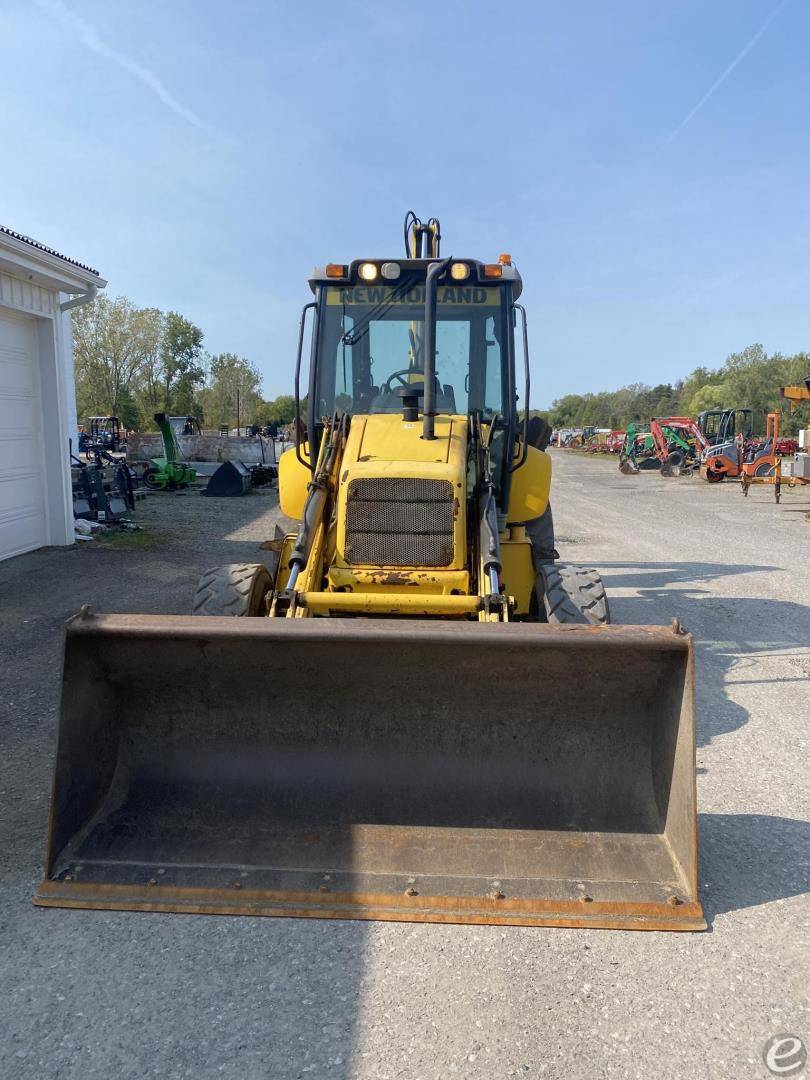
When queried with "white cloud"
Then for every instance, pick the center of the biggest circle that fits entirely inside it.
(89, 36)
(741, 55)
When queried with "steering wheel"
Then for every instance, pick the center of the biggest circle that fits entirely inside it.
(399, 376)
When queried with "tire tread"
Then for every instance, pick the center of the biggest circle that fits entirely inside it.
(573, 594)
(234, 589)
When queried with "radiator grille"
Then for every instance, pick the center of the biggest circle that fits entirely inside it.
(399, 521)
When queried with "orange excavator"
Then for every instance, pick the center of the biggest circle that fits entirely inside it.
(689, 442)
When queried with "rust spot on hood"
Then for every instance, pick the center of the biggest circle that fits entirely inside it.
(393, 577)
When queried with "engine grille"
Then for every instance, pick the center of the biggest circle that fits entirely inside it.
(399, 521)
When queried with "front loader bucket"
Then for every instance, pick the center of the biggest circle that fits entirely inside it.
(377, 769)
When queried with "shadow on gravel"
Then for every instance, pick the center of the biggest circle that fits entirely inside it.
(732, 633)
(751, 859)
(245, 997)
(656, 575)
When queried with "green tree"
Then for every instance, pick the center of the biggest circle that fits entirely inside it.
(565, 410)
(710, 396)
(149, 393)
(108, 354)
(127, 410)
(280, 410)
(234, 391)
(181, 367)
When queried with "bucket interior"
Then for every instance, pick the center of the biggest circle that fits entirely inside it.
(365, 758)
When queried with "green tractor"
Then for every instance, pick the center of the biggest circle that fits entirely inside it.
(638, 450)
(169, 472)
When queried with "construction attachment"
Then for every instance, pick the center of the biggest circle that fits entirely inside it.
(231, 479)
(285, 778)
(103, 488)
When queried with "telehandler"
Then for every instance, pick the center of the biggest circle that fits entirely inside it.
(415, 711)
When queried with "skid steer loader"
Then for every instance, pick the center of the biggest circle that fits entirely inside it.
(414, 711)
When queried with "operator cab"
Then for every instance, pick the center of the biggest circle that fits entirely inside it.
(720, 425)
(371, 341)
(368, 345)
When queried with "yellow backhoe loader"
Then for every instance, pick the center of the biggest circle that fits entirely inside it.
(414, 711)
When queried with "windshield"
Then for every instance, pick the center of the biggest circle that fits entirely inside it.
(712, 425)
(370, 342)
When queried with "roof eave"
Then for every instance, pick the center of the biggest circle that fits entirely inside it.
(41, 268)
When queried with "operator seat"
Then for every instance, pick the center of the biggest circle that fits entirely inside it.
(390, 403)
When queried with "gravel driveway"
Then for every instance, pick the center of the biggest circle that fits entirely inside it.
(119, 995)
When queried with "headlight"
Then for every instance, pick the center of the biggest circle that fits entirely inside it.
(368, 271)
(390, 271)
(459, 271)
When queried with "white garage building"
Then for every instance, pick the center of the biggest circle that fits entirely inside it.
(37, 393)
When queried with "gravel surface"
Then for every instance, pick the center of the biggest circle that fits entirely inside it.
(106, 994)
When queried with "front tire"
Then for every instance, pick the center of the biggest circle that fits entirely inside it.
(573, 594)
(234, 589)
(676, 461)
(150, 479)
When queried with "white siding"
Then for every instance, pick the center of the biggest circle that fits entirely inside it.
(23, 295)
(23, 513)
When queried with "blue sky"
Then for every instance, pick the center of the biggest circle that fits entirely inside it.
(205, 156)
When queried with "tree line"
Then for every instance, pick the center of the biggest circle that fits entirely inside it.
(132, 362)
(747, 379)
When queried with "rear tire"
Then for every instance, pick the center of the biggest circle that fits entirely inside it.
(233, 590)
(573, 594)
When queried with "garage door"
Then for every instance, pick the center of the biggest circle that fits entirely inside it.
(23, 523)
